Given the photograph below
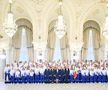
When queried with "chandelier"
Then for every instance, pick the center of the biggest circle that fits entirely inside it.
(9, 26)
(60, 27)
(105, 30)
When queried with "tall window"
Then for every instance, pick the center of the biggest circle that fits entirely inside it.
(91, 39)
(90, 53)
(22, 46)
(57, 50)
(23, 49)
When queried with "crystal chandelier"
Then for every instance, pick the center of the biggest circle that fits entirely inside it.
(105, 30)
(60, 27)
(9, 25)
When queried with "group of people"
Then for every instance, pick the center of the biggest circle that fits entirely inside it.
(57, 72)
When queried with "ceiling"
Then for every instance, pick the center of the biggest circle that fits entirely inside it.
(34, 10)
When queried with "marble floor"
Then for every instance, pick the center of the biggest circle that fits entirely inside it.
(71, 86)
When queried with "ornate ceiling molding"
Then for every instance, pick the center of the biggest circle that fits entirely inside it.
(39, 4)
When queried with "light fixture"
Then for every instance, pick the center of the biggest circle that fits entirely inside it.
(105, 30)
(60, 27)
(9, 26)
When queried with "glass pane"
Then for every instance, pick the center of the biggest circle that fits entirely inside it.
(90, 53)
(23, 50)
(57, 51)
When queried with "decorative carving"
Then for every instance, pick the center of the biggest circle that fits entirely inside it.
(38, 4)
(38, 1)
(19, 9)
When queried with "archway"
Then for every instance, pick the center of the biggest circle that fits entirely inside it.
(22, 41)
(91, 39)
(53, 42)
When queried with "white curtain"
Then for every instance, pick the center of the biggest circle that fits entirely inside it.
(95, 41)
(64, 48)
(23, 49)
(16, 44)
(51, 44)
(90, 48)
(85, 39)
(57, 50)
(29, 44)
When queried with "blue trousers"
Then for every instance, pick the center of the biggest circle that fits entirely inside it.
(41, 79)
(23, 79)
(87, 78)
(72, 79)
(31, 79)
(83, 79)
(12, 79)
(92, 79)
(77, 78)
(36, 78)
(17, 79)
(7, 77)
(107, 79)
(27, 79)
(104, 78)
(99, 79)
(95, 78)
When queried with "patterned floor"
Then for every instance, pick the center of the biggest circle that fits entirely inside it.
(73, 86)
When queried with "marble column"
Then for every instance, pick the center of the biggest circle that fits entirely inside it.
(7, 55)
(2, 63)
(9, 51)
(105, 52)
(39, 50)
(75, 50)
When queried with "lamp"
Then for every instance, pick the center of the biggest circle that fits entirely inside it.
(60, 27)
(9, 25)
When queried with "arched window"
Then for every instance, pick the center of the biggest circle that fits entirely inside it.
(51, 41)
(91, 38)
(23, 48)
(57, 49)
(22, 41)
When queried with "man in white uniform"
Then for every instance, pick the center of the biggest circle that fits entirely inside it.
(17, 76)
(12, 75)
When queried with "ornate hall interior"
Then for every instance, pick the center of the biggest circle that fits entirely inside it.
(51, 32)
